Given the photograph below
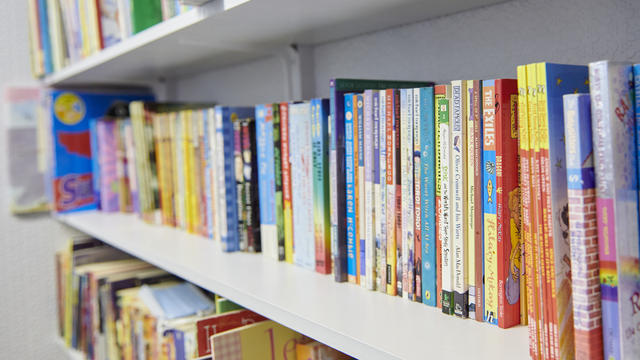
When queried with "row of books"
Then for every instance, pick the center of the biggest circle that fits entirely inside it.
(112, 306)
(62, 32)
(480, 226)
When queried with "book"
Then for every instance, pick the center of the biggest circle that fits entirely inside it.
(469, 195)
(314, 350)
(445, 201)
(300, 147)
(144, 14)
(369, 199)
(266, 179)
(427, 197)
(477, 199)
(320, 161)
(374, 259)
(390, 183)
(250, 185)
(277, 162)
(337, 88)
(583, 227)
(241, 199)
(350, 187)
(216, 324)
(458, 180)
(226, 170)
(417, 198)
(406, 169)
(109, 25)
(287, 210)
(439, 93)
(615, 157)
(360, 190)
(253, 341)
(381, 204)
(107, 160)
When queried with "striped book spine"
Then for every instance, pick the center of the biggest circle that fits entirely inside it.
(287, 209)
(427, 197)
(369, 279)
(360, 193)
(277, 178)
(266, 181)
(350, 187)
(617, 206)
(417, 203)
(583, 227)
(445, 214)
(381, 216)
(390, 183)
(458, 205)
(321, 212)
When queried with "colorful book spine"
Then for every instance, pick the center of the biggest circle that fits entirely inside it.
(390, 183)
(369, 165)
(130, 157)
(398, 181)
(489, 203)
(350, 187)
(617, 205)
(360, 193)
(477, 199)
(203, 171)
(107, 160)
(277, 171)
(376, 188)
(458, 204)
(287, 209)
(266, 179)
(212, 175)
(239, 178)
(417, 197)
(427, 197)
(583, 227)
(381, 216)
(469, 195)
(509, 253)
(302, 184)
(445, 214)
(321, 212)
(254, 243)
(440, 92)
(176, 130)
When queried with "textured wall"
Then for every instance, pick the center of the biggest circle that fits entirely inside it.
(27, 245)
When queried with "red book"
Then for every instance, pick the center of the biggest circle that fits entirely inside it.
(396, 113)
(508, 202)
(210, 326)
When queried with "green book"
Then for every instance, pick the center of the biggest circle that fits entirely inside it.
(144, 14)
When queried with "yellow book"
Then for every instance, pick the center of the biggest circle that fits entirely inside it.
(84, 27)
(176, 142)
(266, 340)
(37, 65)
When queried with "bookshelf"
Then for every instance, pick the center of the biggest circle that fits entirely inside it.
(225, 32)
(361, 323)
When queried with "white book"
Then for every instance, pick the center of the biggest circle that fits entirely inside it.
(370, 246)
(211, 128)
(381, 205)
(445, 204)
(406, 167)
(470, 198)
(458, 203)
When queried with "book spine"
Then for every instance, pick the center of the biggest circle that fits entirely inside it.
(201, 203)
(107, 161)
(376, 188)
(417, 197)
(508, 204)
(398, 181)
(469, 196)
(360, 193)
(208, 188)
(617, 205)
(439, 93)
(228, 223)
(369, 279)
(131, 166)
(337, 185)
(266, 181)
(213, 175)
(583, 227)
(525, 186)
(322, 220)
(381, 204)
(302, 184)
(477, 195)
(458, 205)
(277, 178)
(350, 182)
(406, 111)
(254, 243)
(287, 209)
(239, 180)
(427, 197)
(490, 203)
(389, 181)
(445, 184)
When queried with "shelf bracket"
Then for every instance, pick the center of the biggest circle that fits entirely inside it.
(297, 66)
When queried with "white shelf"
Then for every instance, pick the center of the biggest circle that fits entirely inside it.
(72, 354)
(224, 32)
(361, 323)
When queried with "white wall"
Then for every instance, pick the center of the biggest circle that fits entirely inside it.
(27, 245)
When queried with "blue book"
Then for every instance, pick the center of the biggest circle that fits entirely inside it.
(227, 204)
(351, 211)
(636, 85)
(360, 195)
(302, 184)
(428, 196)
(321, 213)
(266, 180)
(95, 163)
(44, 36)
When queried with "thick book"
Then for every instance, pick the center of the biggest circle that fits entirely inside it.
(445, 201)
(253, 341)
(350, 187)
(226, 171)
(406, 168)
(266, 179)
(428, 197)
(338, 87)
(320, 161)
(390, 183)
(615, 160)
(287, 210)
(583, 227)
(300, 147)
(458, 158)
(277, 163)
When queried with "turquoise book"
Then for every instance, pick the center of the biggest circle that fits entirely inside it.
(320, 158)
(266, 179)
(350, 186)
(428, 196)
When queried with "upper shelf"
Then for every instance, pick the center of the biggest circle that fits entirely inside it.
(361, 323)
(224, 32)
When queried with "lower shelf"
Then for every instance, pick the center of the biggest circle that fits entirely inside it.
(361, 323)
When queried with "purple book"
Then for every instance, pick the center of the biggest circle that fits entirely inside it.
(107, 158)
